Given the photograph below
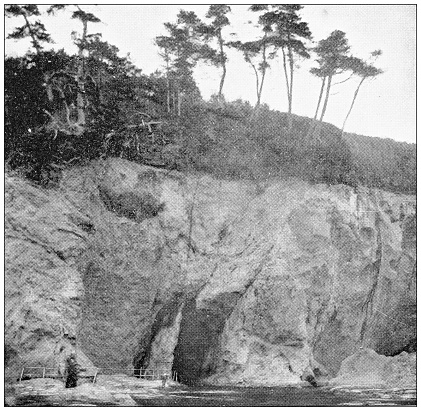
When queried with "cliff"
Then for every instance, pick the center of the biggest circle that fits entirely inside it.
(229, 281)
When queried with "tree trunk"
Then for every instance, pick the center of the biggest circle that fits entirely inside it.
(314, 128)
(353, 102)
(256, 73)
(320, 97)
(263, 71)
(179, 96)
(224, 68)
(291, 76)
(329, 82)
(80, 101)
(168, 85)
(286, 72)
(313, 125)
(100, 83)
(168, 96)
(174, 101)
(32, 34)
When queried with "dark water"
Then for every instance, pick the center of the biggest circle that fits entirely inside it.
(256, 397)
(37, 401)
(281, 397)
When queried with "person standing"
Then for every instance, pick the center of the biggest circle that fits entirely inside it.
(72, 371)
(164, 379)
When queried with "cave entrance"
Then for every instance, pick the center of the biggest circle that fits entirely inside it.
(196, 339)
(197, 350)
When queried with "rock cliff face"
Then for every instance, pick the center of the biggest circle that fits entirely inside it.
(367, 368)
(228, 281)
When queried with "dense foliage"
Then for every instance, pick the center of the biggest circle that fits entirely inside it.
(161, 119)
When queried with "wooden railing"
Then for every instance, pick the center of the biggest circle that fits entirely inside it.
(48, 372)
(28, 373)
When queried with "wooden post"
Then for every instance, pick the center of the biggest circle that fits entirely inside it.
(43, 372)
(94, 380)
(21, 374)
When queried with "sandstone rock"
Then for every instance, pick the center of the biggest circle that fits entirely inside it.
(124, 400)
(231, 281)
(367, 368)
(52, 392)
(44, 236)
(402, 371)
(89, 393)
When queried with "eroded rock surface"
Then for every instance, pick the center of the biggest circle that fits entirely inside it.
(367, 368)
(229, 281)
(114, 391)
(45, 237)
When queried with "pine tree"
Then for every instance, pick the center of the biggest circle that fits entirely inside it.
(78, 127)
(256, 54)
(35, 30)
(286, 32)
(333, 59)
(181, 50)
(365, 70)
(218, 12)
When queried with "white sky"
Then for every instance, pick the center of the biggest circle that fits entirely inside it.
(385, 107)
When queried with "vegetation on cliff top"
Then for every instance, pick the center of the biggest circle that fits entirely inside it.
(62, 110)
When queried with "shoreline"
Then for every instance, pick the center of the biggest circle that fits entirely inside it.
(119, 390)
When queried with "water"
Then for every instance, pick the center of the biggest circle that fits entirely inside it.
(254, 397)
(37, 401)
(279, 396)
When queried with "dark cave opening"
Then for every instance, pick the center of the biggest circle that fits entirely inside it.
(164, 318)
(196, 353)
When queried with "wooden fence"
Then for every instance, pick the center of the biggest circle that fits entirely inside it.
(92, 373)
(28, 373)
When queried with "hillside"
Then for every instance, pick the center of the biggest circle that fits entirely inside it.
(383, 162)
(225, 139)
(233, 141)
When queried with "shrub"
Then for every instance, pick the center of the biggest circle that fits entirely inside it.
(383, 163)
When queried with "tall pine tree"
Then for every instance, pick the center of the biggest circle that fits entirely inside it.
(286, 32)
(181, 49)
(365, 70)
(217, 12)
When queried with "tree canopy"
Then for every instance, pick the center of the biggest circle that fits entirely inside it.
(63, 109)
(286, 32)
(34, 29)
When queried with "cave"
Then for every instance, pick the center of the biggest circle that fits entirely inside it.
(196, 352)
(164, 318)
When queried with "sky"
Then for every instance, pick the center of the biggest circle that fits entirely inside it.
(385, 107)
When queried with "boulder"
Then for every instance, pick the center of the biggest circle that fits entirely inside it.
(366, 368)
